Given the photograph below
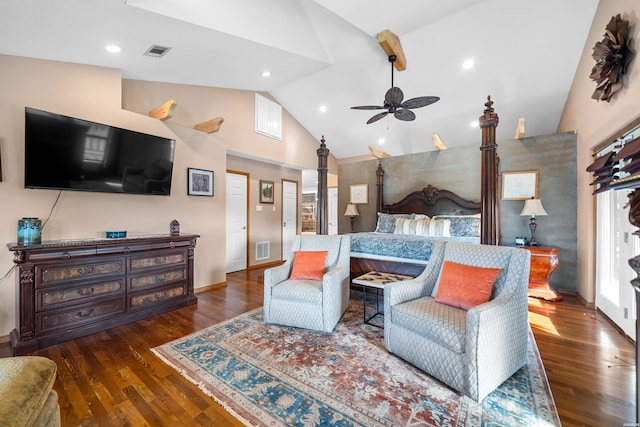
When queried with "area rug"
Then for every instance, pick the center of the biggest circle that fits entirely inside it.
(269, 375)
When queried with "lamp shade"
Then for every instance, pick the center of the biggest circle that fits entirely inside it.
(351, 210)
(533, 207)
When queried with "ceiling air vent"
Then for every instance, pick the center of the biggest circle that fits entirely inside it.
(157, 51)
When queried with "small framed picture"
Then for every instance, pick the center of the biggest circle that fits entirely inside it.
(200, 182)
(266, 191)
(359, 194)
(521, 185)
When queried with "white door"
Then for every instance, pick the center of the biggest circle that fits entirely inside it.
(333, 210)
(289, 215)
(236, 222)
(615, 245)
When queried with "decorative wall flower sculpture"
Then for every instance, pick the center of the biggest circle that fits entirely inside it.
(612, 56)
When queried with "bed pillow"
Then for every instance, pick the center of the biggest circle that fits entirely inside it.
(423, 227)
(308, 265)
(387, 222)
(463, 225)
(465, 286)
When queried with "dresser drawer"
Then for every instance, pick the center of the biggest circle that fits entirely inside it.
(50, 274)
(160, 278)
(77, 316)
(157, 297)
(48, 299)
(164, 259)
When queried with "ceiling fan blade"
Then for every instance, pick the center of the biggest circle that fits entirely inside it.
(420, 101)
(369, 107)
(377, 117)
(394, 97)
(406, 115)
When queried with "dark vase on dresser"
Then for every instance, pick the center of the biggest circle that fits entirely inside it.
(67, 289)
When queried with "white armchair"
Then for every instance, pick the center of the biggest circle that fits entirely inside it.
(472, 351)
(304, 303)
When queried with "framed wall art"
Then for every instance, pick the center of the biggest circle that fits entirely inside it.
(359, 194)
(519, 185)
(199, 182)
(266, 191)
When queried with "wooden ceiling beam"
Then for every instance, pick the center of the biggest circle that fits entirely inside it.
(210, 126)
(390, 43)
(164, 111)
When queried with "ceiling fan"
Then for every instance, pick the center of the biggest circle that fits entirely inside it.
(394, 105)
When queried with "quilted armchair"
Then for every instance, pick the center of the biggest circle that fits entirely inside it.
(304, 303)
(472, 351)
(27, 397)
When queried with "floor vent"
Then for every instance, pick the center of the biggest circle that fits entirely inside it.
(263, 250)
(157, 51)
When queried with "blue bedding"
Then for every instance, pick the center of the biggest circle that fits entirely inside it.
(398, 246)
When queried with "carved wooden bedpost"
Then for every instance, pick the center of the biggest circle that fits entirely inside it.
(379, 186)
(321, 219)
(489, 176)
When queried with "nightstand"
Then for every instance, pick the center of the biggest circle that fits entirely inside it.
(544, 261)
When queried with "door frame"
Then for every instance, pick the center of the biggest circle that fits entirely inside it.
(248, 193)
(298, 190)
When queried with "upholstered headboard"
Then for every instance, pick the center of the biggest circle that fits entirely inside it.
(431, 201)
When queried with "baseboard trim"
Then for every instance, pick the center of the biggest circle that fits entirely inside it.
(5, 339)
(210, 287)
(585, 302)
(265, 265)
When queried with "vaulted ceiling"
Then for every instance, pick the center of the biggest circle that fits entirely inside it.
(325, 53)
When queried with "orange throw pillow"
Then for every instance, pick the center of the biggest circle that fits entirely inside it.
(465, 286)
(308, 265)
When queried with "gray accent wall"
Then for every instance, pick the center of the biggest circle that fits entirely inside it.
(458, 170)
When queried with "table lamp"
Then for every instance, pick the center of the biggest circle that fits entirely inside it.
(533, 207)
(351, 211)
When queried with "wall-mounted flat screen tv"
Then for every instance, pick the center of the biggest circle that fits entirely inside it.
(66, 153)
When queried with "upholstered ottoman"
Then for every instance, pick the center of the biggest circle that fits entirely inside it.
(26, 394)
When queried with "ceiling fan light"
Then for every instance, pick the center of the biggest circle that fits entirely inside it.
(468, 64)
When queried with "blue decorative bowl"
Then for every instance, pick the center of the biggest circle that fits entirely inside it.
(115, 234)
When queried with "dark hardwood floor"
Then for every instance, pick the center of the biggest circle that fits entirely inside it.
(113, 379)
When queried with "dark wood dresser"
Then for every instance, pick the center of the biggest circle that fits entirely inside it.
(66, 289)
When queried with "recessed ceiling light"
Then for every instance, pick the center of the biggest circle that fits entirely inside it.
(113, 48)
(323, 108)
(266, 73)
(474, 124)
(381, 141)
(468, 64)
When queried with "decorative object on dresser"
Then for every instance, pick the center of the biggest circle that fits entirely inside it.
(174, 228)
(66, 289)
(29, 231)
(533, 207)
(544, 261)
(352, 212)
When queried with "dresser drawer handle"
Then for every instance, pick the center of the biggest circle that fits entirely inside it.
(172, 245)
(126, 250)
(85, 292)
(160, 278)
(65, 255)
(85, 270)
(86, 313)
(158, 260)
